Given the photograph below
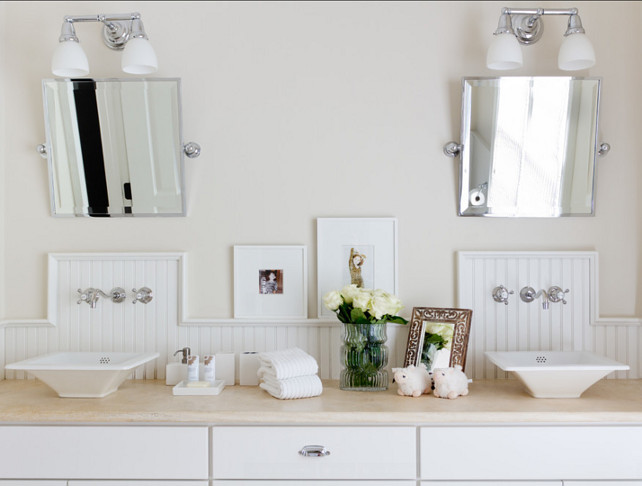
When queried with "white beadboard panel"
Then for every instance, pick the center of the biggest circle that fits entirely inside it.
(521, 326)
(155, 326)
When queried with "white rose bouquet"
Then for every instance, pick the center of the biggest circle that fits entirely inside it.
(354, 305)
(364, 354)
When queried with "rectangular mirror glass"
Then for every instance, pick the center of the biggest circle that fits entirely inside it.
(529, 146)
(114, 147)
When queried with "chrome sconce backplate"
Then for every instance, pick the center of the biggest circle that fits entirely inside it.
(528, 28)
(116, 34)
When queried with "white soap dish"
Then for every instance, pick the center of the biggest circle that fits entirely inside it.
(213, 388)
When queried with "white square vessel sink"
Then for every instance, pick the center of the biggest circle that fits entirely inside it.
(555, 374)
(83, 374)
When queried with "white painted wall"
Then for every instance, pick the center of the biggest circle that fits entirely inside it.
(318, 109)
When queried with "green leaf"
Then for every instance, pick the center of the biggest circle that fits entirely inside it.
(397, 320)
(435, 339)
(358, 317)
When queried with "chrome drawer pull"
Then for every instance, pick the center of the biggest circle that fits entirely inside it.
(314, 451)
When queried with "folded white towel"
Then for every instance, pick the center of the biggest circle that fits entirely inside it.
(290, 388)
(287, 363)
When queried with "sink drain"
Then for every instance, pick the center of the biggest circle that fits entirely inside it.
(540, 359)
(104, 360)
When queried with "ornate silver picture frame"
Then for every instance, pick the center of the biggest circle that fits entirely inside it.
(421, 321)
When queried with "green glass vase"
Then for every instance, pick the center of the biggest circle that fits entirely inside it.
(364, 356)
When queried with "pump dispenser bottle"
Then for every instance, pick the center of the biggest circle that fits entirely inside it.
(177, 371)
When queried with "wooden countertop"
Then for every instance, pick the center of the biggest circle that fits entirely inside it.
(493, 401)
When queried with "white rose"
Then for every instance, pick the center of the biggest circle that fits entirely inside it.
(349, 292)
(332, 300)
(362, 300)
(385, 304)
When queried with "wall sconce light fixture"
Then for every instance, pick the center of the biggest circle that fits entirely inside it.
(120, 32)
(576, 51)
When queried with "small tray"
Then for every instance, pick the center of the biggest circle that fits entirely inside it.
(213, 389)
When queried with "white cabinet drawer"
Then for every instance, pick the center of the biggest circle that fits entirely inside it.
(602, 483)
(531, 452)
(134, 483)
(24, 482)
(237, 482)
(273, 453)
(103, 452)
(503, 483)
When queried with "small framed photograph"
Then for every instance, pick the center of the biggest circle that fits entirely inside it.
(362, 251)
(438, 337)
(270, 282)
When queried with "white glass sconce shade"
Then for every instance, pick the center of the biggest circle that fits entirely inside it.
(576, 52)
(139, 57)
(504, 52)
(69, 60)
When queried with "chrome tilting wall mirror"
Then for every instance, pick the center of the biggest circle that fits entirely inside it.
(114, 147)
(528, 146)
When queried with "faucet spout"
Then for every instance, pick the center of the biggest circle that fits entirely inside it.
(92, 297)
(545, 299)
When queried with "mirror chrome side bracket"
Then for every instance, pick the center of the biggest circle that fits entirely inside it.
(192, 150)
(603, 149)
(42, 150)
(453, 149)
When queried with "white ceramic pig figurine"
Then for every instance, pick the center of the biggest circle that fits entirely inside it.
(450, 382)
(413, 380)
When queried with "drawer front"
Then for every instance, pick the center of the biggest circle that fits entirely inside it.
(22, 482)
(354, 453)
(535, 453)
(316, 483)
(503, 483)
(105, 452)
(137, 483)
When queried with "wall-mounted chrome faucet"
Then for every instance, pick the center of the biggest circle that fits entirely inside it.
(117, 295)
(554, 294)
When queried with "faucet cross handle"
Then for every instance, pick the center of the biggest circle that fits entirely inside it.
(500, 294)
(87, 295)
(142, 295)
(556, 294)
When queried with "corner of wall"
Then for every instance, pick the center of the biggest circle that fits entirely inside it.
(3, 158)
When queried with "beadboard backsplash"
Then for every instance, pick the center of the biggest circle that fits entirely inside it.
(163, 325)
(155, 326)
(521, 326)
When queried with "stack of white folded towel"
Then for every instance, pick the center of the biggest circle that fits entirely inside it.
(287, 374)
